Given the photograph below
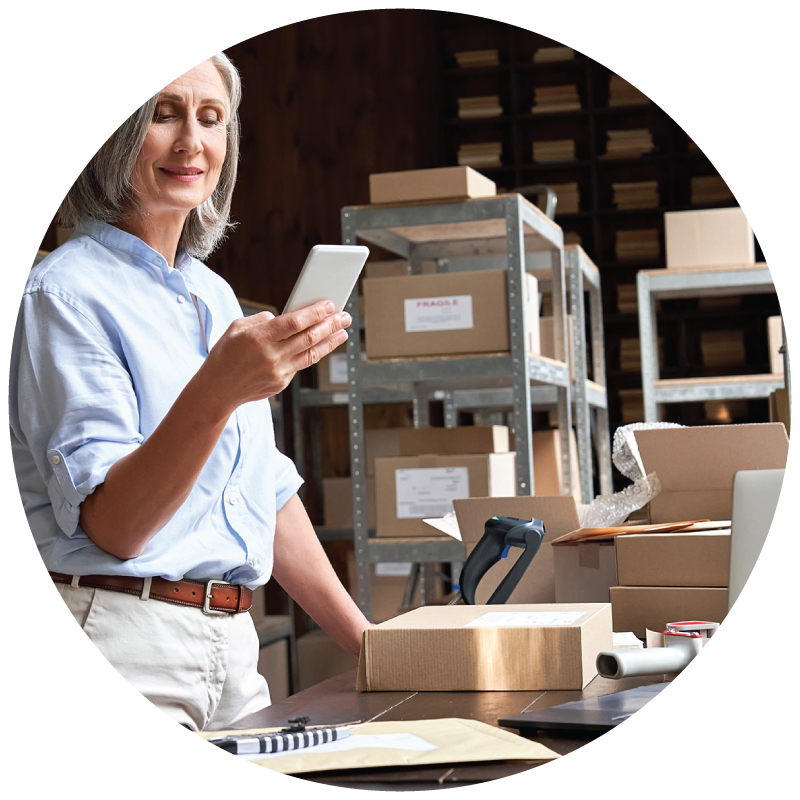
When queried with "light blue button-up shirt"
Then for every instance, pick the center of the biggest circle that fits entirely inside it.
(107, 337)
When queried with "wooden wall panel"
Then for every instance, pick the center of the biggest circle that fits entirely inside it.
(326, 102)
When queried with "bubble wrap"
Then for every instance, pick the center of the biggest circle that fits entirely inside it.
(611, 510)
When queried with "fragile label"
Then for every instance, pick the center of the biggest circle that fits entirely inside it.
(429, 491)
(525, 619)
(438, 313)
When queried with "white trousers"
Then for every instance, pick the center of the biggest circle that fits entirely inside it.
(201, 670)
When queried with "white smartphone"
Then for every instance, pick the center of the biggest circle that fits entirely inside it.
(330, 273)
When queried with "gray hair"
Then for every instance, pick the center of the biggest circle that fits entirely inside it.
(104, 191)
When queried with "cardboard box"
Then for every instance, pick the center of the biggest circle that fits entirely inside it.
(449, 313)
(466, 440)
(637, 608)
(547, 342)
(511, 648)
(546, 446)
(445, 183)
(779, 410)
(381, 443)
(537, 585)
(695, 465)
(775, 342)
(713, 237)
(674, 559)
(411, 488)
(393, 268)
(337, 502)
(584, 571)
(332, 371)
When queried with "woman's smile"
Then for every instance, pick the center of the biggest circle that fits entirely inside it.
(184, 174)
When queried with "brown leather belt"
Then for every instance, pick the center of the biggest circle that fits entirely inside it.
(211, 597)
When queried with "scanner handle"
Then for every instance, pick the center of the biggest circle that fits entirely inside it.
(486, 553)
(532, 543)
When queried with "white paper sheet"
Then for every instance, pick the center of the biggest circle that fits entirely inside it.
(429, 491)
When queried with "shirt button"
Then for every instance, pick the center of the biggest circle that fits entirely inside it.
(55, 458)
(158, 262)
(232, 500)
(181, 298)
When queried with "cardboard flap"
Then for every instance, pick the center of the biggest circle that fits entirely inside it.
(696, 465)
(706, 457)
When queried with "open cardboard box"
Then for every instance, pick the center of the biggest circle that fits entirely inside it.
(560, 516)
(568, 572)
(696, 465)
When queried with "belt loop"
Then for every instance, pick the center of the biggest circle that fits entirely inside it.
(145, 595)
(76, 582)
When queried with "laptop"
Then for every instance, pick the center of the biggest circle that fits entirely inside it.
(590, 717)
(755, 498)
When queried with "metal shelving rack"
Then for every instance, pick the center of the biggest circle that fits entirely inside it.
(667, 284)
(589, 398)
(507, 225)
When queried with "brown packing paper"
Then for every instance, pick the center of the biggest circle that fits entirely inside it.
(607, 534)
(458, 741)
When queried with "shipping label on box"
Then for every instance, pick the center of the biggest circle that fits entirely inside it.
(438, 313)
(429, 315)
(429, 492)
(429, 485)
(529, 647)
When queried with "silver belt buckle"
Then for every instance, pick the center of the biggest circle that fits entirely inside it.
(207, 601)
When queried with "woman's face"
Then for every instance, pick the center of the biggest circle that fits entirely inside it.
(181, 159)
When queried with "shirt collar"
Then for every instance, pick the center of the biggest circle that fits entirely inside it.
(114, 237)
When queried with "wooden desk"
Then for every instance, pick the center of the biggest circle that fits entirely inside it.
(336, 701)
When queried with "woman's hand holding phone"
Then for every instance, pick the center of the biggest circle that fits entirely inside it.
(258, 356)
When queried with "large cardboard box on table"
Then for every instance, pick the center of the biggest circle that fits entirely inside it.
(416, 185)
(696, 465)
(411, 488)
(486, 648)
(450, 313)
(639, 608)
(713, 237)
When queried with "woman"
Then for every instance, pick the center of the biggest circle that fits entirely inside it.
(141, 430)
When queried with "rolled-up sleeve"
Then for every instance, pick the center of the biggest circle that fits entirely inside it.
(76, 404)
(287, 480)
